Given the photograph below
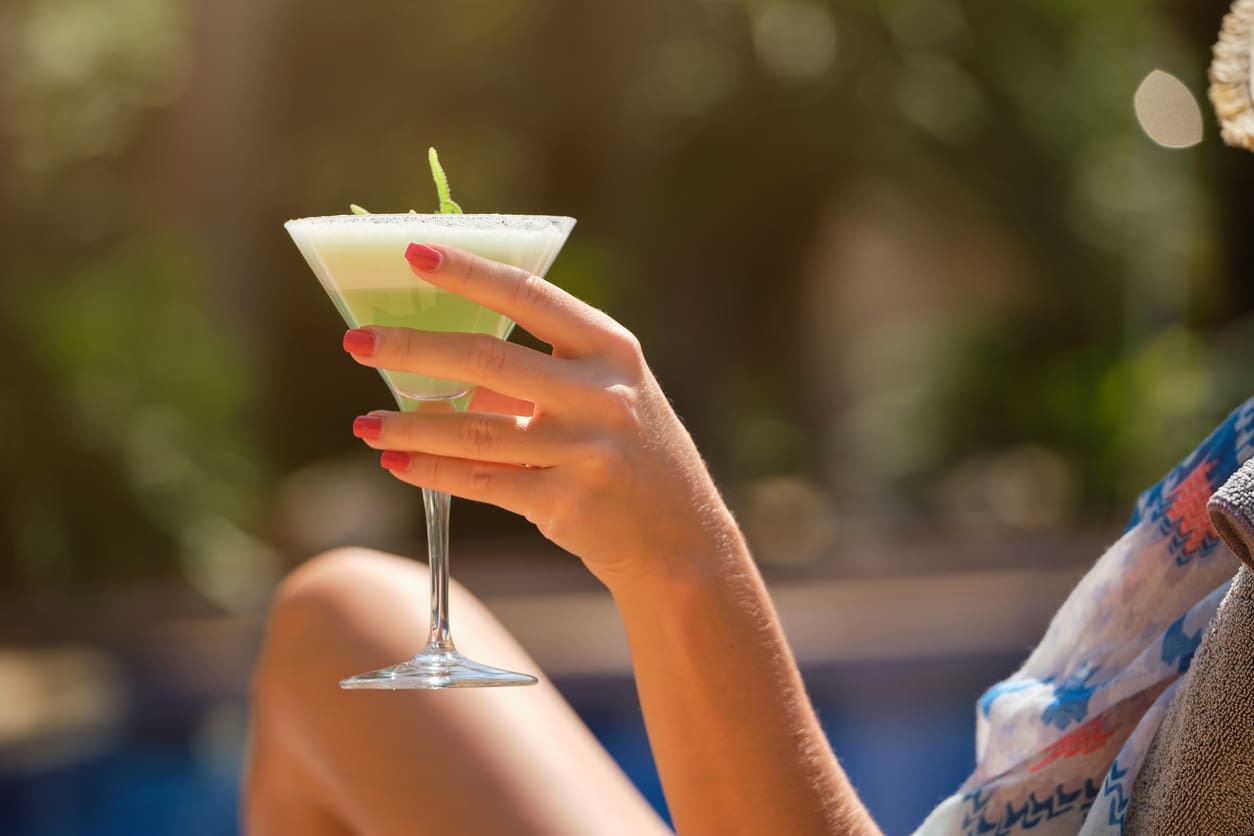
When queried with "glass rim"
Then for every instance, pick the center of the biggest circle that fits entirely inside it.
(484, 219)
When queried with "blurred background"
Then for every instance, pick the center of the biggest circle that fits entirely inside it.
(937, 285)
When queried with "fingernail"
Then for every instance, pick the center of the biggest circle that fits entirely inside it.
(395, 460)
(424, 258)
(360, 342)
(367, 426)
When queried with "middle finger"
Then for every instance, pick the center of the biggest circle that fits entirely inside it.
(480, 359)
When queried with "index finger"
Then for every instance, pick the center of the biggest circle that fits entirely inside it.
(550, 313)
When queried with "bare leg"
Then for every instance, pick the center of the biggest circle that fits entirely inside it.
(475, 761)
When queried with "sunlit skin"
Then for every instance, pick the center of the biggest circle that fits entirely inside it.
(585, 445)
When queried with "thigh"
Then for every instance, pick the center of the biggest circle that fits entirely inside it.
(465, 761)
(278, 800)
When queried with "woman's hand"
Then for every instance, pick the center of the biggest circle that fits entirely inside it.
(582, 443)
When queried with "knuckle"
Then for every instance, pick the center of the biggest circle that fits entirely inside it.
(626, 345)
(404, 343)
(475, 270)
(532, 292)
(481, 479)
(619, 406)
(561, 514)
(624, 353)
(476, 433)
(486, 356)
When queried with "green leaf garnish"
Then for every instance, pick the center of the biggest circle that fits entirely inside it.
(447, 206)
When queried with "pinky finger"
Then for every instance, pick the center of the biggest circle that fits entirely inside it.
(506, 486)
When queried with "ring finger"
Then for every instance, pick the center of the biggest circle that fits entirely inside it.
(476, 436)
(510, 369)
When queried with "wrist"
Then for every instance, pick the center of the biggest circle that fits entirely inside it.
(713, 560)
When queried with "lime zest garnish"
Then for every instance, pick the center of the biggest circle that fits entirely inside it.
(357, 210)
(447, 206)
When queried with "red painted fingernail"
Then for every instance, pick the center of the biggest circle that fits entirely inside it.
(360, 342)
(424, 258)
(395, 460)
(367, 426)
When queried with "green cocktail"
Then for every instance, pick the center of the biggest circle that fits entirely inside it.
(431, 310)
(360, 260)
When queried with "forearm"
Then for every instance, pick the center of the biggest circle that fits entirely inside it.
(737, 743)
(614, 478)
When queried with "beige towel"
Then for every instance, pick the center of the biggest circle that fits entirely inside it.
(1198, 776)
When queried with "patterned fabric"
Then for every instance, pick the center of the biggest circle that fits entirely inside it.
(1059, 743)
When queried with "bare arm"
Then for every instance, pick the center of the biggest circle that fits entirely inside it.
(736, 740)
(611, 476)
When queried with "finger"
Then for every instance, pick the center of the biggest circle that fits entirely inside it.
(475, 436)
(513, 370)
(550, 313)
(516, 489)
(487, 400)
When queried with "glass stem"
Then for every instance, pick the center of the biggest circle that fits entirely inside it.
(436, 504)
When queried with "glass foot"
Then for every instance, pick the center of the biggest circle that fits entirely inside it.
(438, 667)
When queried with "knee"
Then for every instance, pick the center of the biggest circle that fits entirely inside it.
(330, 583)
(329, 592)
(323, 589)
(315, 605)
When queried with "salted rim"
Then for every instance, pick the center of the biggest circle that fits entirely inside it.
(472, 221)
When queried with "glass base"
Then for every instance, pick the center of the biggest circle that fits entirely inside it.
(437, 667)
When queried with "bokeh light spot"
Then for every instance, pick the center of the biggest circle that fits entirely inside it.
(795, 41)
(1168, 111)
(938, 96)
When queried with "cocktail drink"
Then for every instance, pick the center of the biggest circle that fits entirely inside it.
(360, 260)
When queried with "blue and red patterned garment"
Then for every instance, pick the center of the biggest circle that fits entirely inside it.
(1059, 743)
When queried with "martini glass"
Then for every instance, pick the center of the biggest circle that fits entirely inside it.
(360, 260)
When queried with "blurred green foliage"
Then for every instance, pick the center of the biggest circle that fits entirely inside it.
(149, 376)
(747, 174)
